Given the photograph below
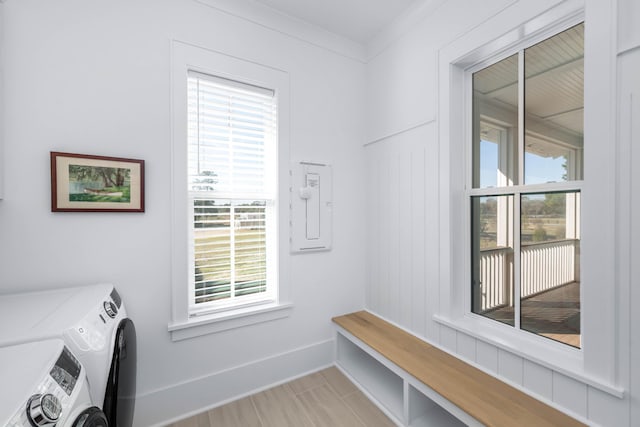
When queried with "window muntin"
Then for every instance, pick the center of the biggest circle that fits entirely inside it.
(526, 176)
(231, 188)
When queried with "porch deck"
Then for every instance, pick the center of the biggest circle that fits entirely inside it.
(554, 314)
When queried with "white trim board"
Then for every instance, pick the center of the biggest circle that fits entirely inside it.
(272, 19)
(163, 406)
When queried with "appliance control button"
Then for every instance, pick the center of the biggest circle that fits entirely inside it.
(111, 309)
(44, 409)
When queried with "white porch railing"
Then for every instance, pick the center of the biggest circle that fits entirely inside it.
(496, 266)
(543, 266)
(547, 265)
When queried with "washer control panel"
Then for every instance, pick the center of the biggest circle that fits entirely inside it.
(52, 398)
(93, 332)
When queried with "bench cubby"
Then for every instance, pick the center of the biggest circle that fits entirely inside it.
(420, 385)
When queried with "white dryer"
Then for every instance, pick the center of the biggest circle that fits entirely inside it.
(44, 385)
(93, 323)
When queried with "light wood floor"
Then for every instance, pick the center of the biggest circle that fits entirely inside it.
(323, 399)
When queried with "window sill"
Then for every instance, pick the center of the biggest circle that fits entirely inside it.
(567, 361)
(230, 319)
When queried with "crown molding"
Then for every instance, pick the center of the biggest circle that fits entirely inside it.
(295, 28)
(400, 26)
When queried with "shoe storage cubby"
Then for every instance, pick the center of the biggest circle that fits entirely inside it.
(402, 397)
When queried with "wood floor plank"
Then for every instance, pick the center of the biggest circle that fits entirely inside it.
(326, 398)
(338, 381)
(366, 411)
(234, 414)
(278, 407)
(326, 409)
(200, 420)
(307, 382)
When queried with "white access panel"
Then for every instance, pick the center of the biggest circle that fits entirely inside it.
(311, 206)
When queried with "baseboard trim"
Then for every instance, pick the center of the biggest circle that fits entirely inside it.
(171, 404)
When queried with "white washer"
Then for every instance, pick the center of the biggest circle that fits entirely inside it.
(45, 385)
(92, 322)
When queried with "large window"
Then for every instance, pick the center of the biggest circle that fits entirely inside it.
(232, 193)
(229, 194)
(525, 187)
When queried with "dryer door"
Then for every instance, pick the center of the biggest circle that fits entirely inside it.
(120, 394)
(91, 417)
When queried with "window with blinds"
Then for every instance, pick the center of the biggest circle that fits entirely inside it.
(232, 192)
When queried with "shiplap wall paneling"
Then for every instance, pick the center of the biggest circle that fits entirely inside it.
(487, 356)
(418, 235)
(466, 346)
(629, 158)
(569, 393)
(510, 367)
(401, 226)
(538, 379)
(448, 339)
(607, 410)
(634, 320)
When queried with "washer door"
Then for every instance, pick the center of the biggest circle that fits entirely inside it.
(91, 417)
(120, 395)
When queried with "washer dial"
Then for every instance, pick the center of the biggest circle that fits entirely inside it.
(43, 409)
(111, 309)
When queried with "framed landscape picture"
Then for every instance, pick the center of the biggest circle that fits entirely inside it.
(84, 183)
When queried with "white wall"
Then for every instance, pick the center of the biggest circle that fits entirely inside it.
(93, 77)
(403, 255)
(628, 158)
(1, 97)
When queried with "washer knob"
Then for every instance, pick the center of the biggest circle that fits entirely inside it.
(111, 309)
(43, 409)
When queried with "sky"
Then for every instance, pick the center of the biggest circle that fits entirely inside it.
(537, 169)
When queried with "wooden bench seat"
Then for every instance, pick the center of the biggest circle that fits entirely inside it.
(482, 396)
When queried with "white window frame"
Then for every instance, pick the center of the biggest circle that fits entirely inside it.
(504, 188)
(596, 363)
(186, 58)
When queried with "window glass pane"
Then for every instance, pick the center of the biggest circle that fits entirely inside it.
(495, 120)
(250, 254)
(554, 108)
(550, 265)
(231, 180)
(492, 257)
(229, 249)
(231, 138)
(212, 250)
(489, 155)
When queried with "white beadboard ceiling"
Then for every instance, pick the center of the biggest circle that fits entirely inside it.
(358, 20)
(554, 72)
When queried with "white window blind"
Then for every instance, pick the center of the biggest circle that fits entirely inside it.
(232, 182)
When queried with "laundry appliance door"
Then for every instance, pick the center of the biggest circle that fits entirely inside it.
(91, 417)
(119, 400)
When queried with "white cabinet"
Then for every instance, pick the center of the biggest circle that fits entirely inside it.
(406, 400)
